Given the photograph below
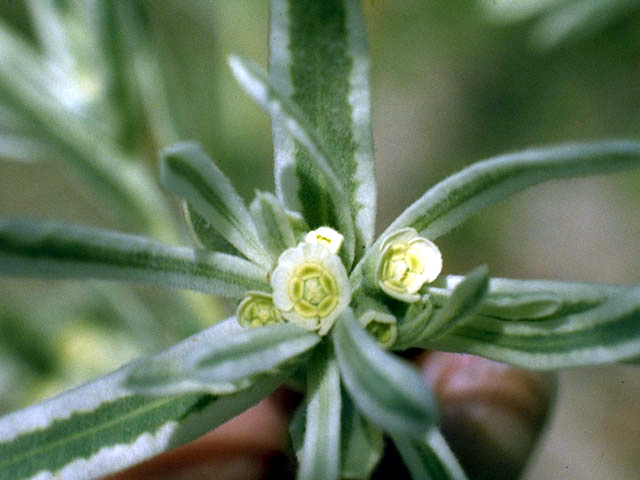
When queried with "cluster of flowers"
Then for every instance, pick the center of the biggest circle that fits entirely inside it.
(311, 286)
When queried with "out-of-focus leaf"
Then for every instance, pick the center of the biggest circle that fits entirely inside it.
(429, 457)
(361, 445)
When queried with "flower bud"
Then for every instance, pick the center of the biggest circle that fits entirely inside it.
(326, 236)
(257, 310)
(381, 326)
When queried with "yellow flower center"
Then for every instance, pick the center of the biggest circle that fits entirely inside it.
(401, 265)
(408, 261)
(313, 290)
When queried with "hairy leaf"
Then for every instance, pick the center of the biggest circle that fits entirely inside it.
(485, 183)
(225, 364)
(102, 427)
(593, 324)
(386, 389)
(187, 171)
(320, 453)
(321, 179)
(56, 250)
(319, 59)
(482, 184)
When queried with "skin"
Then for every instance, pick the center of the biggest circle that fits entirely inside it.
(492, 415)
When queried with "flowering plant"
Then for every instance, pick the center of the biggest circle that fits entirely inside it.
(322, 301)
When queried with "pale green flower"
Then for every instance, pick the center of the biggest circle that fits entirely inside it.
(407, 262)
(310, 286)
(258, 310)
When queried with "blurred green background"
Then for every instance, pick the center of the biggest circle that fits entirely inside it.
(454, 81)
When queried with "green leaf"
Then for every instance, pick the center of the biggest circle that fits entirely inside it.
(319, 59)
(102, 427)
(137, 83)
(386, 389)
(429, 457)
(224, 364)
(187, 171)
(251, 351)
(482, 184)
(320, 453)
(362, 442)
(464, 300)
(415, 319)
(50, 30)
(273, 224)
(327, 203)
(204, 235)
(593, 324)
(57, 250)
(458, 197)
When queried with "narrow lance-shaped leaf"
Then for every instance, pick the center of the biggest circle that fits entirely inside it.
(50, 249)
(412, 323)
(273, 224)
(319, 59)
(482, 184)
(50, 30)
(187, 171)
(362, 442)
(204, 235)
(102, 427)
(458, 197)
(223, 365)
(386, 389)
(321, 179)
(429, 457)
(320, 454)
(135, 71)
(593, 324)
(464, 300)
